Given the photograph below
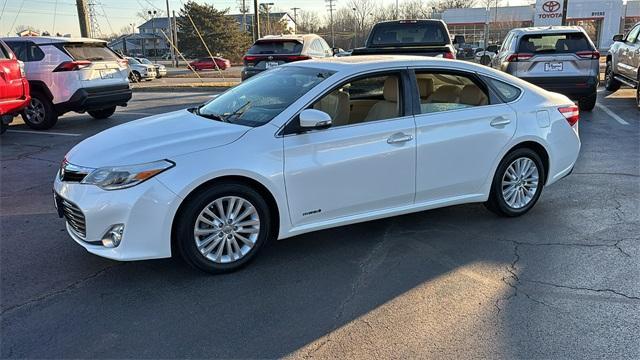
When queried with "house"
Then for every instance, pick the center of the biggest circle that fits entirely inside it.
(276, 16)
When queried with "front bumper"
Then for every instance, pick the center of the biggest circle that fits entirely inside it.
(573, 87)
(146, 210)
(96, 98)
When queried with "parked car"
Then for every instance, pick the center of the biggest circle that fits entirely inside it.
(14, 85)
(140, 71)
(486, 56)
(161, 70)
(623, 62)
(410, 37)
(558, 58)
(274, 50)
(70, 74)
(206, 63)
(354, 139)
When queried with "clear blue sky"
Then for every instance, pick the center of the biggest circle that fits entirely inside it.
(60, 15)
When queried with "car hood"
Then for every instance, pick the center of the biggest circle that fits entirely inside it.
(154, 138)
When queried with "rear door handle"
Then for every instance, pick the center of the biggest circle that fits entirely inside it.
(500, 121)
(398, 138)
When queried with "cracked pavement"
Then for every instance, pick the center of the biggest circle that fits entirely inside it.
(459, 282)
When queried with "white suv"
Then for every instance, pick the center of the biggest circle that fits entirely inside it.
(70, 74)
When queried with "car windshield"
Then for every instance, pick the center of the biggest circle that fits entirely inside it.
(133, 61)
(258, 100)
(554, 43)
(145, 61)
(409, 33)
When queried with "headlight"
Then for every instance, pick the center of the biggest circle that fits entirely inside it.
(121, 177)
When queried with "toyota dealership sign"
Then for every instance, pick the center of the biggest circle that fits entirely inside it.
(548, 12)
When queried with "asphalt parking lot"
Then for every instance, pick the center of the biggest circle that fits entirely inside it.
(459, 282)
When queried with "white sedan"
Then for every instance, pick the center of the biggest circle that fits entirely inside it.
(312, 145)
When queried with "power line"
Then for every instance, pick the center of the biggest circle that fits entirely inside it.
(3, 6)
(16, 18)
(55, 9)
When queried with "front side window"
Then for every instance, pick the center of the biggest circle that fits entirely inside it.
(448, 91)
(633, 34)
(258, 100)
(372, 98)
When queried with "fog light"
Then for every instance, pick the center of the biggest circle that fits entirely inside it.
(113, 236)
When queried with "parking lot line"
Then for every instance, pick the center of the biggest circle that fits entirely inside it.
(612, 114)
(43, 132)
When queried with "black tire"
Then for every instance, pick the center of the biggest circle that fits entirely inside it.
(3, 127)
(40, 114)
(610, 83)
(485, 60)
(135, 76)
(588, 103)
(497, 202)
(102, 113)
(187, 218)
(638, 97)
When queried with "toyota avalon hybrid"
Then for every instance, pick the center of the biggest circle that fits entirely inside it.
(312, 145)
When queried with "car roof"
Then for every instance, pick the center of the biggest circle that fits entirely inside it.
(548, 30)
(372, 62)
(300, 37)
(52, 39)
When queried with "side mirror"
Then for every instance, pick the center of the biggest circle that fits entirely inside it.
(314, 119)
(618, 37)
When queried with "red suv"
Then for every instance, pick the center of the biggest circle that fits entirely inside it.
(14, 88)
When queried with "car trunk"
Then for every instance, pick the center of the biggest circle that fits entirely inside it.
(100, 66)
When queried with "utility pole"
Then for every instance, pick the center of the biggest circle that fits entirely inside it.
(175, 36)
(331, 6)
(295, 18)
(397, 11)
(83, 17)
(256, 21)
(244, 11)
(173, 54)
(564, 12)
(355, 28)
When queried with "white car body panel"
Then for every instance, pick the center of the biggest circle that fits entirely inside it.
(337, 170)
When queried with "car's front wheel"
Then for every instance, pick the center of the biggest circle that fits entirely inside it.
(610, 83)
(40, 114)
(517, 183)
(102, 113)
(222, 228)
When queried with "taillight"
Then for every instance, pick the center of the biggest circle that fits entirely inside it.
(123, 63)
(519, 57)
(588, 54)
(72, 65)
(295, 57)
(448, 55)
(571, 113)
(21, 66)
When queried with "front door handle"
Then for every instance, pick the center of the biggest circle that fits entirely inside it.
(499, 121)
(398, 138)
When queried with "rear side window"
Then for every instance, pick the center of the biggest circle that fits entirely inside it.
(409, 33)
(507, 92)
(26, 50)
(554, 43)
(275, 47)
(92, 52)
(443, 91)
(3, 52)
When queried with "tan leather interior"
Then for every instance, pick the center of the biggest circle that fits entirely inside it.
(336, 104)
(472, 95)
(388, 108)
(445, 94)
(425, 87)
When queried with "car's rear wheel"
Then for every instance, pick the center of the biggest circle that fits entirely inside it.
(610, 83)
(40, 113)
(102, 113)
(517, 183)
(588, 103)
(135, 76)
(222, 228)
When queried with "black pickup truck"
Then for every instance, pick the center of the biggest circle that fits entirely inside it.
(409, 37)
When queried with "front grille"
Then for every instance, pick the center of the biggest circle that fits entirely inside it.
(74, 217)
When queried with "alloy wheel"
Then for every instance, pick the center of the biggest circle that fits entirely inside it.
(35, 111)
(227, 229)
(520, 183)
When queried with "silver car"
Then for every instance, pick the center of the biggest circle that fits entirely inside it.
(557, 58)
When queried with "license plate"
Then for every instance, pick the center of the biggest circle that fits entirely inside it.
(270, 64)
(107, 74)
(553, 66)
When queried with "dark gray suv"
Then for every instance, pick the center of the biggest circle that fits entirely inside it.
(557, 58)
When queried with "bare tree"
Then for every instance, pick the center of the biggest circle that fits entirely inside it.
(441, 5)
(415, 9)
(308, 21)
(363, 13)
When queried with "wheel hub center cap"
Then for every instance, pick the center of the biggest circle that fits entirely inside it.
(227, 229)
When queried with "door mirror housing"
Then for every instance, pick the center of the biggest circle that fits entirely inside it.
(314, 119)
(618, 37)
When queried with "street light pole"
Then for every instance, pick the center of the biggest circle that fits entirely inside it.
(295, 18)
(153, 30)
(256, 21)
(355, 28)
